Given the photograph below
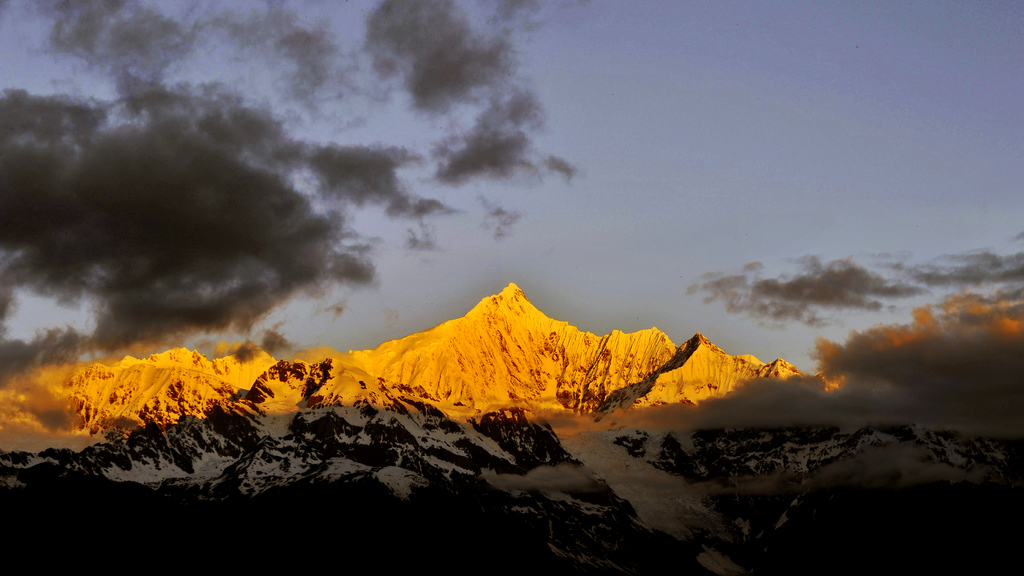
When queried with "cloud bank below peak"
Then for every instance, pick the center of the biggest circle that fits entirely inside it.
(956, 367)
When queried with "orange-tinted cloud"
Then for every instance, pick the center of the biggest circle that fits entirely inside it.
(958, 365)
(35, 411)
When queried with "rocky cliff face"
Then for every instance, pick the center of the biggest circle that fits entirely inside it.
(289, 386)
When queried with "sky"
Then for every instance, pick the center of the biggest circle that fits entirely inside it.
(811, 181)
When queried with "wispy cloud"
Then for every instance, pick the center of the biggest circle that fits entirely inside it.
(560, 166)
(424, 239)
(435, 51)
(443, 62)
(498, 145)
(971, 269)
(834, 285)
(338, 308)
(560, 478)
(312, 60)
(499, 219)
(134, 43)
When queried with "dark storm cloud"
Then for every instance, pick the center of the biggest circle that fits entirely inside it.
(432, 46)
(177, 209)
(51, 346)
(959, 364)
(835, 285)
(47, 120)
(181, 219)
(367, 175)
(499, 219)
(497, 146)
(132, 41)
(250, 134)
(556, 164)
(273, 342)
(6, 307)
(246, 351)
(6, 303)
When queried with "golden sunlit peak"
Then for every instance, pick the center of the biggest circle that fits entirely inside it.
(698, 340)
(511, 300)
(512, 291)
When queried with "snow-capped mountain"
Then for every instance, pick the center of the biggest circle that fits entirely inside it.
(697, 371)
(504, 352)
(431, 449)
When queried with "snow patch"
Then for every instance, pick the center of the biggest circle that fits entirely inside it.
(719, 563)
(400, 481)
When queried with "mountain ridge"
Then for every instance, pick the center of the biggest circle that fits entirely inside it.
(503, 352)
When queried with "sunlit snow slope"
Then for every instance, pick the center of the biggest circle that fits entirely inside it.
(159, 389)
(504, 351)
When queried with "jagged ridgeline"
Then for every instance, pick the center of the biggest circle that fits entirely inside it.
(504, 352)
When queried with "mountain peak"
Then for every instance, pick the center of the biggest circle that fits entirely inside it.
(699, 340)
(512, 290)
(510, 302)
(513, 294)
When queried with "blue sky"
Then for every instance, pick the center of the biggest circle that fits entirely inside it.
(701, 137)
